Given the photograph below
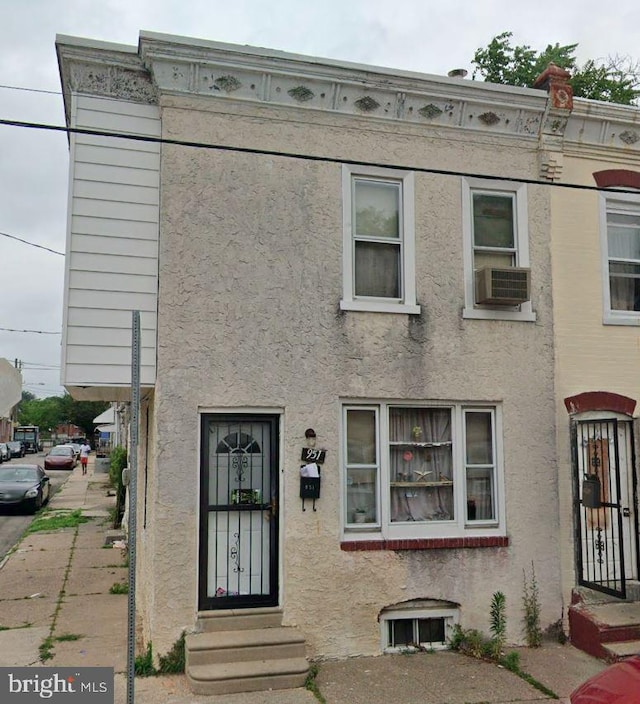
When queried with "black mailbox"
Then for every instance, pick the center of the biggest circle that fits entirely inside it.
(309, 487)
(591, 491)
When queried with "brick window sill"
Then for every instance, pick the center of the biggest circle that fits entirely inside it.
(426, 544)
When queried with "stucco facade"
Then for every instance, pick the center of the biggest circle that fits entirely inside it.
(252, 321)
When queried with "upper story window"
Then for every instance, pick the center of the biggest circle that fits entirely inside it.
(496, 251)
(421, 471)
(621, 255)
(379, 241)
(494, 229)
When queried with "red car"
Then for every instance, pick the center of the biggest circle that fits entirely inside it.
(60, 457)
(618, 684)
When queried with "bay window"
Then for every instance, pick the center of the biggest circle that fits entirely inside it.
(421, 470)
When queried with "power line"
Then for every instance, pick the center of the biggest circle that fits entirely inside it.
(307, 157)
(32, 90)
(32, 244)
(39, 332)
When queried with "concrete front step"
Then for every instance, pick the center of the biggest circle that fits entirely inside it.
(595, 627)
(620, 651)
(244, 650)
(246, 644)
(248, 676)
(239, 619)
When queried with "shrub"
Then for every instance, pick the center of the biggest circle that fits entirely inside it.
(144, 663)
(174, 661)
(498, 623)
(471, 642)
(531, 607)
(118, 461)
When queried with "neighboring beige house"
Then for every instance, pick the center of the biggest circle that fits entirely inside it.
(595, 241)
(341, 270)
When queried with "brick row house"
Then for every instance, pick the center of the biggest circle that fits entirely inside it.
(344, 277)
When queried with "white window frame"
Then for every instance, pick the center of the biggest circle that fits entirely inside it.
(459, 527)
(450, 616)
(473, 310)
(407, 302)
(619, 202)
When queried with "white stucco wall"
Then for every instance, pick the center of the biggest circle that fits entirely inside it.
(250, 284)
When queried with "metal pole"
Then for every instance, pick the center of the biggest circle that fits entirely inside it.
(133, 503)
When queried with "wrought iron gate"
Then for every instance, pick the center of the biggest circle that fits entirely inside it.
(597, 506)
(239, 522)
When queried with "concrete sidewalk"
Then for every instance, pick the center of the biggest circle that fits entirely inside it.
(55, 595)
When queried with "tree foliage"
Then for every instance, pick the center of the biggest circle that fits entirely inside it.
(616, 80)
(56, 410)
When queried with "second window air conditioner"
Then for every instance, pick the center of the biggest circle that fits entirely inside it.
(508, 286)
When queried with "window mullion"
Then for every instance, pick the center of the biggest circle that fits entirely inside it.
(384, 472)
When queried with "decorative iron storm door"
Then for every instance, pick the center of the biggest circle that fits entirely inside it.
(238, 512)
(602, 463)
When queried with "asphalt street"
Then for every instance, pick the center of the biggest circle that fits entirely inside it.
(13, 524)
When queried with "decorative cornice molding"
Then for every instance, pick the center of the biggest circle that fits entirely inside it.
(105, 70)
(614, 127)
(195, 68)
(182, 67)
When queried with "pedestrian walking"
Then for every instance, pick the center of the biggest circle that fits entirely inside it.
(85, 449)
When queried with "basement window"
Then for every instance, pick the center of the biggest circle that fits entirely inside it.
(407, 629)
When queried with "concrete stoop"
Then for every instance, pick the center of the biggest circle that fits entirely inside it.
(244, 651)
(608, 629)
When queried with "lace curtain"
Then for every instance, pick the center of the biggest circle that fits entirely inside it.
(420, 453)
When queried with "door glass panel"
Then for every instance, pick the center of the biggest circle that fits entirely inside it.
(238, 472)
(239, 521)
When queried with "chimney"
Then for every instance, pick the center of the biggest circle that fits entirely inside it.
(555, 81)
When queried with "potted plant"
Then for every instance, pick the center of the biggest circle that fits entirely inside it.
(360, 515)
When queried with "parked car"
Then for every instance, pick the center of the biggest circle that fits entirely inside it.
(60, 457)
(17, 448)
(5, 453)
(617, 684)
(74, 445)
(24, 486)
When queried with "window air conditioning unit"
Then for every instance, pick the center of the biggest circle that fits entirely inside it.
(507, 286)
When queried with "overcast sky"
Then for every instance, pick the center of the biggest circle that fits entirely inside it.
(430, 36)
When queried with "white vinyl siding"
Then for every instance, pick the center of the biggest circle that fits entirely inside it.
(112, 248)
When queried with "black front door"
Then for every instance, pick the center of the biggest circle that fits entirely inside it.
(603, 504)
(238, 511)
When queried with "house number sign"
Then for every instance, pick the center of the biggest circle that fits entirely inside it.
(310, 474)
(310, 454)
